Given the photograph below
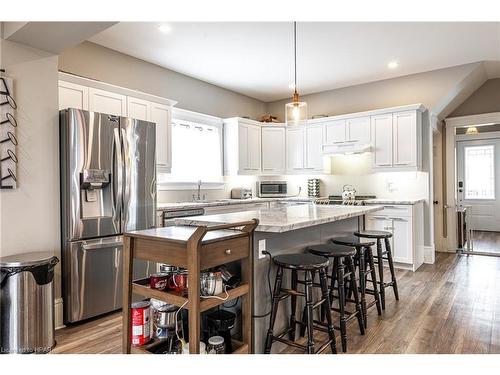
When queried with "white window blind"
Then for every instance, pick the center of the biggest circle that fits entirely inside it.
(196, 152)
(480, 172)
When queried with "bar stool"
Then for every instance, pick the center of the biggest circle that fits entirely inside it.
(309, 264)
(366, 266)
(342, 259)
(382, 255)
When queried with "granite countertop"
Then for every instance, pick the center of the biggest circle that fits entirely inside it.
(227, 202)
(394, 201)
(284, 219)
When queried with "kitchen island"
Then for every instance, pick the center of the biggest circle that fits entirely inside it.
(285, 230)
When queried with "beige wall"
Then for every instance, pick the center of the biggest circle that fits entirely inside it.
(429, 88)
(93, 61)
(486, 99)
(30, 214)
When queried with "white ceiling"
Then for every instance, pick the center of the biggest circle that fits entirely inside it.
(256, 59)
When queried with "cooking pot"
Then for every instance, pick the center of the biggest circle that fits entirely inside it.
(164, 316)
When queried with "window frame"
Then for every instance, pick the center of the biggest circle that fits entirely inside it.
(179, 114)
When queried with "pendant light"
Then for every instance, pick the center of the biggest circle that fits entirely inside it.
(296, 111)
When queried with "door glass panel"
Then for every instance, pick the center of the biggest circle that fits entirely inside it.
(479, 172)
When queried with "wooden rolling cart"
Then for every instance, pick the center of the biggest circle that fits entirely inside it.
(196, 249)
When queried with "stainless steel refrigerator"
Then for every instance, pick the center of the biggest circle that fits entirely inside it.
(108, 186)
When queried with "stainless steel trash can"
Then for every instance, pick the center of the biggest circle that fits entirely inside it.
(27, 303)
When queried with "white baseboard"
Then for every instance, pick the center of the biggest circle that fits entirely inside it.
(429, 254)
(58, 313)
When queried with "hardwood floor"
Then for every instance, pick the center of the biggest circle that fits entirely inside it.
(452, 306)
(486, 241)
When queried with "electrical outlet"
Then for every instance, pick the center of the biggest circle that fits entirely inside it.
(262, 248)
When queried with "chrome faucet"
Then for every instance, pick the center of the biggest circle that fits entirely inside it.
(197, 197)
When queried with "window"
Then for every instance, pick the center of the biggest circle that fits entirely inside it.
(480, 172)
(196, 151)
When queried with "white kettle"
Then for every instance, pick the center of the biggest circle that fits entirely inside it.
(348, 193)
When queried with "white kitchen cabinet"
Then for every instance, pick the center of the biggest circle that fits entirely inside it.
(335, 132)
(404, 133)
(107, 102)
(242, 146)
(345, 135)
(295, 148)
(138, 109)
(397, 140)
(358, 130)
(405, 222)
(313, 148)
(402, 239)
(382, 140)
(273, 150)
(72, 95)
(162, 116)
(304, 149)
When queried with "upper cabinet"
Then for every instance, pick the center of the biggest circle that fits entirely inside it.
(304, 149)
(107, 102)
(345, 134)
(397, 140)
(242, 146)
(72, 95)
(273, 149)
(162, 115)
(100, 97)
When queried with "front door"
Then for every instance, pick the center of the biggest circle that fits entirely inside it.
(478, 190)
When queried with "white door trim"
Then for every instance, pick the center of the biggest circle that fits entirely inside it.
(481, 119)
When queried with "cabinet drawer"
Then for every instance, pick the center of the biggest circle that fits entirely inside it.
(394, 210)
(222, 252)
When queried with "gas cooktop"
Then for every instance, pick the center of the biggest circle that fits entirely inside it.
(337, 200)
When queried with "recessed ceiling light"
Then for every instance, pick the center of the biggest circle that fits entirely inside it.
(393, 65)
(165, 29)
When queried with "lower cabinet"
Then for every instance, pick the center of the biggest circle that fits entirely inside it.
(405, 222)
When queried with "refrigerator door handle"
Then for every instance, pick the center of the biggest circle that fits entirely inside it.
(117, 189)
(126, 171)
(98, 246)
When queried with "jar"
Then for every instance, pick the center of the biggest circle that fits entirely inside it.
(216, 345)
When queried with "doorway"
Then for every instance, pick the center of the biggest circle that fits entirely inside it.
(478, 194)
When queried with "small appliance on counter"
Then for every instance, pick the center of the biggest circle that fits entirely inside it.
(272, 189)
(313, 188)
(241, 193)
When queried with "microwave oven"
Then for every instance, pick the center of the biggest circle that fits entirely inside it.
(266, 189)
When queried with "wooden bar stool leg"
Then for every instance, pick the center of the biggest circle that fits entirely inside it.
(293, 300)
(373, 273)
(341, 292)
(355, 293)
(391, 268)
(274, 309)
(362, 281)
(326, 309)
(381, 272)
(309, 309)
